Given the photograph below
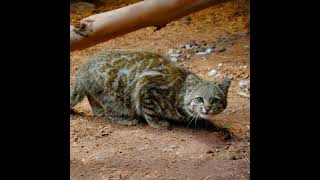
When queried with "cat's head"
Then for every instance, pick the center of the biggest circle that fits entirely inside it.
(205, 98)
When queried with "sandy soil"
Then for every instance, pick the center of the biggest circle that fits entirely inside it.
(102, 150)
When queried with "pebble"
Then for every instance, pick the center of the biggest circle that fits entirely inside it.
(244, 84)
(209, 50)
(220, 65)
(178, 52)
(242, 94)
(212, 73)
(182, 46)
(173, 59)
(170, 51)
(175, 55)
(218, 76)
(201, 53)
(188, 46)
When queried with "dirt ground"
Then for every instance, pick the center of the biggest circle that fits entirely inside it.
(102, 150)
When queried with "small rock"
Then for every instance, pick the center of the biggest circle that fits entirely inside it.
(233, 158)
(179, 52)
(173, 59)
(242, 94)
(244, 84)
(209, 152)
(209, 50)
(170, 51)
(217, 150)
(201, 53)
(175, 55)
(218, 76)
(212, 73)
(181, 46)
(188, 47)
(220, 65)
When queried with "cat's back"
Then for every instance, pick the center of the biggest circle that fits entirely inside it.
(119, 70)
(117, 63)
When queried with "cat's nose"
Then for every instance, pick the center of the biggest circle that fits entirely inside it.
(207, 109)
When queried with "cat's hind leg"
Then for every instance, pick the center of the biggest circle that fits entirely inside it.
(77, 93)
(96, 107)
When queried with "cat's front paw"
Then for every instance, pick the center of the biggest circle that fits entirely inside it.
(160, 124)
(133, 122)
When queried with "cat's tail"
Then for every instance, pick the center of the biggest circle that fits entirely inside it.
(76, 94)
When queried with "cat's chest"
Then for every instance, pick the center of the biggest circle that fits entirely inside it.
(171, 110)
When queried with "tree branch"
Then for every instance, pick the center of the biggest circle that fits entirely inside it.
(102, 27)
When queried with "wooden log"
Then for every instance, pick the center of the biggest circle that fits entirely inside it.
(102, 27)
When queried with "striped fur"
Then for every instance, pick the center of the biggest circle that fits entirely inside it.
(125, 85)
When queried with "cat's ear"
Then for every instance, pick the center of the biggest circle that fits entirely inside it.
(224, 85)
(192, 81)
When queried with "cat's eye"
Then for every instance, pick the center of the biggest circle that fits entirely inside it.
(199, 99)
(214, 100)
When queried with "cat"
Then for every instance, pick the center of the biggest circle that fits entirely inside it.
(127, 85)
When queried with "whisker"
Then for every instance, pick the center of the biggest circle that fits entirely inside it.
(195, 122)
(189, 116)
(191, 121)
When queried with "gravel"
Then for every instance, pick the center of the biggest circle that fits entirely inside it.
(173, 59)
(212, 73)
(243, 94)
(243, 84)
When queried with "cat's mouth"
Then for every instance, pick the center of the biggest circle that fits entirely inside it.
(206, 115)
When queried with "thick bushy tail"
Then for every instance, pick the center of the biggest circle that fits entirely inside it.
(76, 95)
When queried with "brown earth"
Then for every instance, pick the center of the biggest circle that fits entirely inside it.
(102, 150)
